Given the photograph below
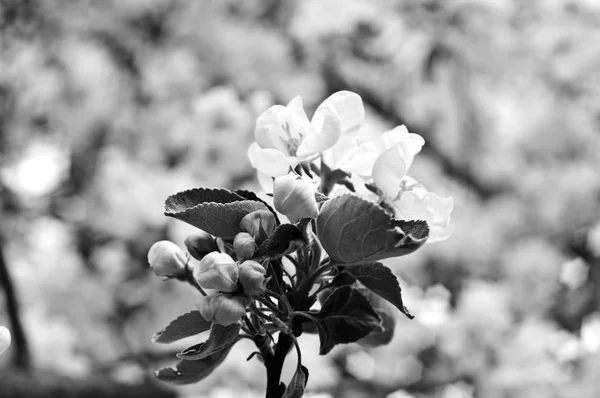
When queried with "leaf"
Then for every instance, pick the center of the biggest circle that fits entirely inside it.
(380, 280)
(345, 317)
(353, 230)
(188, 372)
(249, 195)
(285, 239)
(216, 211)
(186, 325)
(296, 387)
(220, 338)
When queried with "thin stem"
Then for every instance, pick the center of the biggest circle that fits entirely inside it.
(269, 305)
(275, 388)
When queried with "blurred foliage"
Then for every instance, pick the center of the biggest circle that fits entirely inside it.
(108, 107)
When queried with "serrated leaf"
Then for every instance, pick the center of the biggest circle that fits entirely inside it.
(345, 317)
(188, 372)
(380, 280)
(186, 325)
(220, 338)
(353, 230)
(285, 239)
(296, 387)
(216, 211)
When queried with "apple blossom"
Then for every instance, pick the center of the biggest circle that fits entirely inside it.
(217, 271)
(4, 339)
(252, 277)
(294, 197)
(223, 309)
(167, 259)
(416, 203)
(285, 137)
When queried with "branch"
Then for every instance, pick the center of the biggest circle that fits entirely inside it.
(21, 359)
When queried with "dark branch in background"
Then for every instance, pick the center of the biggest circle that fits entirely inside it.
(336, 81)
(21, 358)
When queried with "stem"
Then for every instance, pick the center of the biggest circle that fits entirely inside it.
(22, 358)
(275, 388)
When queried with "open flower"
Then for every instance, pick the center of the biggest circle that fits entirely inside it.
(416, 203)
(385, 158)
(167, 259)
(285, 137)
(4, 339)
(217, 271)
(223, 309)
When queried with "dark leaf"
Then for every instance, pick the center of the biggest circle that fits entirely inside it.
(285, 239)
(296, 387)
(188, 372)
(216, 211)
(354, 230)
(380, 280)
(186, 325)
(220, 338)
(345, 317)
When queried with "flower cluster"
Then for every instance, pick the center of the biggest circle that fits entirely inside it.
(342, 199)
(374, 165)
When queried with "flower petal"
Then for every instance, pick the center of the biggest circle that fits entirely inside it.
(269, 161)
(325, 134)
(348, 106)
(411, 144)
(440, 207)
(389, 170)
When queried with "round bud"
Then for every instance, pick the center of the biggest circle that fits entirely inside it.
(222, 309)
(259, 224)
(167, 259)
(217, 271)
(295, 197)
(244, 245)
(200, 244)
(252, 277)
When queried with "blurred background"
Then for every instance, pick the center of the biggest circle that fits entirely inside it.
(107, 107)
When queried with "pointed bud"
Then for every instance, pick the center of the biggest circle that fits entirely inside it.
(259, 224)
(223, 309)
(217, 271)
(252, 277)
(244, 246)
(200, 244)
(295, 197)
(167, 259)
(4, 339)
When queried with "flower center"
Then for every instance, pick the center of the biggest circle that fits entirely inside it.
(292, 140)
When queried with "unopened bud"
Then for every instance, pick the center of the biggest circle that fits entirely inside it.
(167, 259)
(200, 244)
(223, 309)
(295, 197)
(244, 245)
(4, 339)
(259, 224)
(217, 271)
(252, 277)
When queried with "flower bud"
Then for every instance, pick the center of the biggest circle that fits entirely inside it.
(259, 224)
(4, 339)
(252, 277)
(223, 309)
(244, 245)
(200, 244)
(167, 259)
(217, 271)
(295, 197)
